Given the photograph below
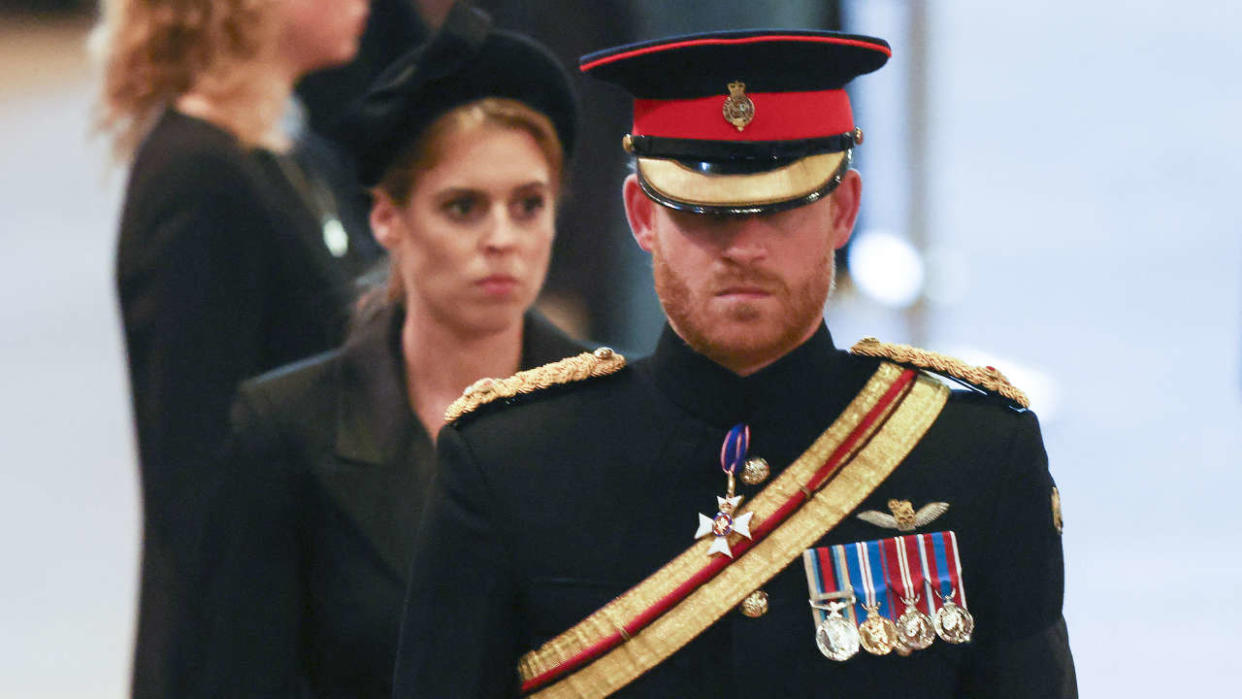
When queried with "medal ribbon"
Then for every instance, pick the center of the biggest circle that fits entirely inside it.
(885, 572)
(866, 572)
(733, 450)
(823, 571)
(818, 580)
(955, 568)
(843, 574)
(918, 575)
(877, 581)
(942, 566)
(897, 565)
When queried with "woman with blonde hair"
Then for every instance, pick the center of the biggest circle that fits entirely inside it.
(231, 259)
(462, 144)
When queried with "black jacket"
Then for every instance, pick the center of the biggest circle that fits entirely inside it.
(546, 510)
(222, 273)
(308, 541)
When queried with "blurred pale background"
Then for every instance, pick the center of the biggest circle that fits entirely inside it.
(1078, 215)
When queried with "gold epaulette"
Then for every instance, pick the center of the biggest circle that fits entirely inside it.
(601, 362)
(985, 378)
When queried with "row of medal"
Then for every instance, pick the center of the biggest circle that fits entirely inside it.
(921, 572)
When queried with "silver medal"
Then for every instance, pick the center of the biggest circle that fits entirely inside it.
(836, 637)
(915, 630)
(953, 623)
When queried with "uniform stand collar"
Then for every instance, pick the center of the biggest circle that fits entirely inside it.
(721, 397)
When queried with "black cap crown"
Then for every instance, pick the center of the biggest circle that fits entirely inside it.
(464, 61)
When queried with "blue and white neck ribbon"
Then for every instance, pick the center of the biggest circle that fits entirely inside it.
(735, 447)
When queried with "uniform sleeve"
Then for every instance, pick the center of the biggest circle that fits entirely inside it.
(458, 635)
(253, 593)
(1022, 647)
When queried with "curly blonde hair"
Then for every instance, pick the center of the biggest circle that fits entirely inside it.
(154, 51)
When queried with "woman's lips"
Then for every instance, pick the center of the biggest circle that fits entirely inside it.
(498, 284)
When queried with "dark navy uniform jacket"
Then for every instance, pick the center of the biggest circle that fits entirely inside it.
(547, 509)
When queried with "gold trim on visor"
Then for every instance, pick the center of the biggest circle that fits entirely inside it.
(677, 182)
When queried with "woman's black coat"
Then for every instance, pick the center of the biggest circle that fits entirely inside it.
(222, 273)
(308, 543)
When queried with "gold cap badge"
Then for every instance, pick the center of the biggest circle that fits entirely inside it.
(738, 109)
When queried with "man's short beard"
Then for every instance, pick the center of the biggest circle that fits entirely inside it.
(803, 309)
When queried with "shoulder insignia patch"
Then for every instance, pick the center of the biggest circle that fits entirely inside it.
(987, 379)
(601, 362)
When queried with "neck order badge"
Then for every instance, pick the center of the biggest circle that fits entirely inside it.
(727, 521)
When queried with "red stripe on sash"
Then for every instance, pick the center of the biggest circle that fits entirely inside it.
(897, 390)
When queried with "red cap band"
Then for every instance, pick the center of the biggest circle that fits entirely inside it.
(779, 116)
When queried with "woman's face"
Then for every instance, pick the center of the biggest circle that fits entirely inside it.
(317, 34)
(473, 241)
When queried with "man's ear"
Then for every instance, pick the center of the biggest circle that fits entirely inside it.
(640, 211)
(846, 199)
(386, 222)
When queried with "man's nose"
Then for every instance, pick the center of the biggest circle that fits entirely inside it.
(746, 239)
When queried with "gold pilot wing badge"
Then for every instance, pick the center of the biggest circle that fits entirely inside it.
(903, 517)
(738, 109)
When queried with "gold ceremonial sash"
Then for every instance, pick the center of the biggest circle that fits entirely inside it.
(877, 435)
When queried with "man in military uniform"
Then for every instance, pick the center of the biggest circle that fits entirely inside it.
(751, 511)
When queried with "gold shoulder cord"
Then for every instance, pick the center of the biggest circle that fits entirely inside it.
(988, 379)
(601, 362)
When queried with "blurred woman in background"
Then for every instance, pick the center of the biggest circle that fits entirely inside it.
(462, 144)
(231, 259)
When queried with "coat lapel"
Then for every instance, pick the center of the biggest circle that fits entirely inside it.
(385, 459)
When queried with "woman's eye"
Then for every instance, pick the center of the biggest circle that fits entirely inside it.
(462, 208)
(530, 205)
